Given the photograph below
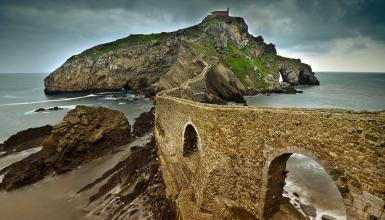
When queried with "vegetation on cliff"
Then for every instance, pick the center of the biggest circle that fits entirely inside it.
(238, 62)
(149, 63)
(121, 44)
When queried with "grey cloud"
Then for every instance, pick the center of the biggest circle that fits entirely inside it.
(61, 28)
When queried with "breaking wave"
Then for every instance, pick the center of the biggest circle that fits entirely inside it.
(47, 101)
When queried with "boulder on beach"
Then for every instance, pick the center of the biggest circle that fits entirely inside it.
(86, 128)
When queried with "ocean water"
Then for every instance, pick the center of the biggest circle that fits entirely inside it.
(358, 91)
(21, 94)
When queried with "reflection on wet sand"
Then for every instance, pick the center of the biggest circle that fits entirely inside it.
(55, 197)
(307, 183)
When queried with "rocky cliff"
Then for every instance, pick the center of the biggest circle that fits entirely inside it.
(150, 63)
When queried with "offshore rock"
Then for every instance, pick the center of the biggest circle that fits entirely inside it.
(55, 108)
(295, 72)
(282, 87)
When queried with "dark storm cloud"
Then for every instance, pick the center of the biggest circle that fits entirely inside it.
(43, 33)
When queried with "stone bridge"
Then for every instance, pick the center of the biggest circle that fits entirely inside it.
(228, 162)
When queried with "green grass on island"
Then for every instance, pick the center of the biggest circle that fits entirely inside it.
(122, 43)
(241, 63)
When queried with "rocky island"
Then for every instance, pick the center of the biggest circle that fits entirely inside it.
(146, 64)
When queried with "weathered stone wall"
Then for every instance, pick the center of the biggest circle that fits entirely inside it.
(228, 175)
(238, 170)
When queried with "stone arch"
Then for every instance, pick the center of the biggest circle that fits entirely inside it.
(190, 141)
(283, 74)
(275, 173)
(190, 152)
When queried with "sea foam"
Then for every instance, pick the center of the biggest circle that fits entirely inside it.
(47, 101)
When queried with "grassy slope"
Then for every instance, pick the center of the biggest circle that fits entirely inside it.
(122, 43)
(239, 61)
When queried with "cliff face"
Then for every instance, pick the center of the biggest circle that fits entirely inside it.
(135, 66)
(150, 63)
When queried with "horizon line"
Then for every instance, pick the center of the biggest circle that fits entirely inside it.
(315, 71)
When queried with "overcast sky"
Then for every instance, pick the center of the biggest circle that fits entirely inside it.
(335, 35)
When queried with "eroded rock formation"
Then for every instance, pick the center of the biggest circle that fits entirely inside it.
(84, 134)
(26, 139)
(132, 189)
(150, 63)
(144, 124)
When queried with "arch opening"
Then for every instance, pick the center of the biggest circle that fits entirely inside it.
(190, 155)
(282, 76)
(300, 187)
(190, 144)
